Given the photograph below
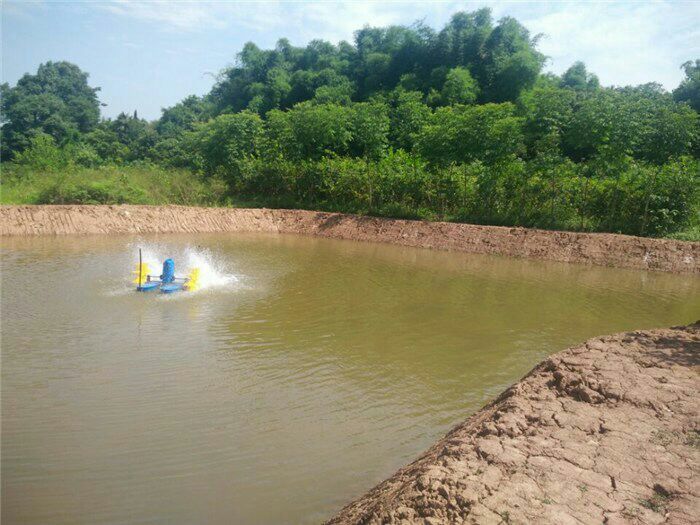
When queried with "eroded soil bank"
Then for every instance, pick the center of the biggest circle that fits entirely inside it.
(601, 249)
(605, 432)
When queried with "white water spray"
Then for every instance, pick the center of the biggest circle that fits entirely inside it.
(213, 270)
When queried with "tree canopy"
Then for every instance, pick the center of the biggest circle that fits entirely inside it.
(401, 117)
(391, 88)
(689, 89)
(57, 101)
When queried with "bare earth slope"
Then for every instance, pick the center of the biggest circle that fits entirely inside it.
(606, 432)
(601, 249)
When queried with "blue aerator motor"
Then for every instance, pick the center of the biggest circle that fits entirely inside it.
(168, 274)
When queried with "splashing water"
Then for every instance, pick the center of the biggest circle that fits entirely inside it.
(213, 271)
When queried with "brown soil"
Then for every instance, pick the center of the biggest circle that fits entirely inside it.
(600, 249)
(606, 432)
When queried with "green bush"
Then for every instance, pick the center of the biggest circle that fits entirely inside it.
(611, 192)
(43, 154)
(640, 199)
(136, 184)
(90, 192)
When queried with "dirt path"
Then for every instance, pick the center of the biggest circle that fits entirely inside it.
(600, 249)
(606, 432)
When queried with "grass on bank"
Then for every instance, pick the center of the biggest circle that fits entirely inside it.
(689, 234)
(143, 183)
(133, 184)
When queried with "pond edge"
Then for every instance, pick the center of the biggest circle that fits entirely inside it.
(602, 249)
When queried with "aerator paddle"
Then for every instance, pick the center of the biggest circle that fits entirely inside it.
(142, 280)
(192, 282)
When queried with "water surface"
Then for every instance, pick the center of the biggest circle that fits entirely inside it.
(306, 371)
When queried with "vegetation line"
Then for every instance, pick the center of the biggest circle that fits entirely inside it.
(459, 124)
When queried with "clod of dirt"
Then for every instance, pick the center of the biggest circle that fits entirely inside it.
(589, 436)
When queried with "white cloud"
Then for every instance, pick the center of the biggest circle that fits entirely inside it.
(623, 44)
(333, 21)
(167, 14)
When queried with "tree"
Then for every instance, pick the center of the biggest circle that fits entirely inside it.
(137, 135)
(671, 131)
(459, 87)
(105, 142)
(277, 87)
(642, 122)
(689, 89)
(548, 110)
(183, 116)
(57, 100)
(468, 56)
(338, 94)
(408, 115)
(602, 121)
(577, 77)
(310, 131)
(42, 154)
(370, 129)
(458, 134)
(511, 64)
(221, 142)
(461, 42)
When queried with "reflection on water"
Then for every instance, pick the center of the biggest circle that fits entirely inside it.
(278, 395)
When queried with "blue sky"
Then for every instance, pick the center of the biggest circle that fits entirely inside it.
(149, 55)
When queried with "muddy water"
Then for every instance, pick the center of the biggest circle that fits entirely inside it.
(304, 372)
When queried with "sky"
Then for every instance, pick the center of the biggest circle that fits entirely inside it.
(147, 55)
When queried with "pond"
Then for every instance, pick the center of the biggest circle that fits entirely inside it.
(302, 373)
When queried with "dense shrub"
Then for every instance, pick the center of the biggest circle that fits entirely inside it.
(490, 133)
(623, 196)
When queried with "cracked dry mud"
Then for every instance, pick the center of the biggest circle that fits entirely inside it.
(605, 432)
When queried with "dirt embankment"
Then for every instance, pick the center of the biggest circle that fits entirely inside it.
(600, 249)
(606, 432)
